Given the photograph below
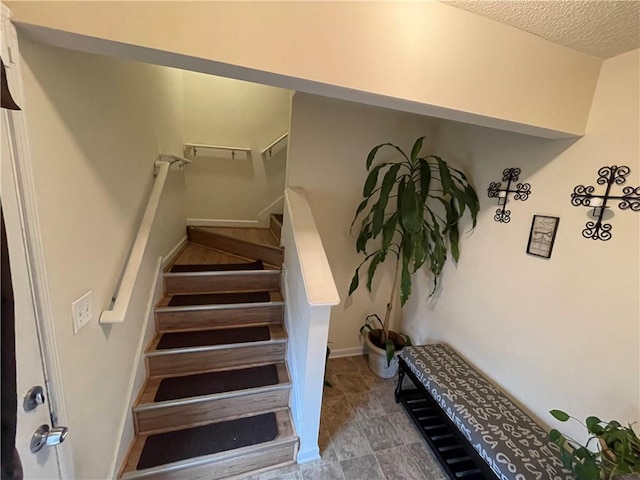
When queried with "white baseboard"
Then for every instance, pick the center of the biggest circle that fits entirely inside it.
(138, 373)
(346, 352)
(174, 252)
(221, 222)
(308, 455)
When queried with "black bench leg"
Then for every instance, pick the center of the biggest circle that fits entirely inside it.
(400, 378)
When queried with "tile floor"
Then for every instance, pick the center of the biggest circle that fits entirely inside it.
(364, 434)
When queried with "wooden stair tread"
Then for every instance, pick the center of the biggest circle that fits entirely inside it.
(150, 389)
(221, 240)
(258, 236)
(192, 253)
(285, 435)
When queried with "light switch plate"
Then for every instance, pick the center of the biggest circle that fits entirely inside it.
(82, 311)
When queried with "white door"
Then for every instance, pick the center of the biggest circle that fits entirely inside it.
(29, 361)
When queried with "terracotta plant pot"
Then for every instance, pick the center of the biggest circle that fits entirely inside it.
(377, 356)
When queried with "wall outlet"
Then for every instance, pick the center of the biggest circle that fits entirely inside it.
(82, 311)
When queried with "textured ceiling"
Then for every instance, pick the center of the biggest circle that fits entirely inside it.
(601, 28)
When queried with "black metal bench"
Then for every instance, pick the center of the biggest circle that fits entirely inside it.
(475, 431)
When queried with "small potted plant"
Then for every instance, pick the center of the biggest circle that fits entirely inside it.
(612, 451)
(409, 214)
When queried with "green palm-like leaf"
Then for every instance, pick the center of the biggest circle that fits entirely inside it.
(388, 231)
(391, 350)
(473, 203)
(363, 238)
(405, 281)
(425, 179)
(354, 281)
(372, 180)
(375, 261)
(419, 250)
(409, 212)
(445, 176)
(417, 146)
(454, 238)
(375, 149)
(381, 206)
(361, 207)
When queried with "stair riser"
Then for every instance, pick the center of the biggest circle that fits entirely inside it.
(270, 255)
(275, 228)
(268, 457)
(267, 281)
(209, 411)
(169, 321)
(193, 362)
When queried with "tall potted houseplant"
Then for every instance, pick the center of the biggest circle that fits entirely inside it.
(410, 213)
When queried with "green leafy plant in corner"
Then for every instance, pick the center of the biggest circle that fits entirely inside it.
(410, 212)
(617, 456)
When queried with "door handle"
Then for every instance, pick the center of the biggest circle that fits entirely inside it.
(47, 436)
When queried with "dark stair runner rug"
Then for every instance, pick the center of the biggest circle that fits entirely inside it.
(218, 267)
(219, 298)
(203, 338)
(216, 382)
(163, 448)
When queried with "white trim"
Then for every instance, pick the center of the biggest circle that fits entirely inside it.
(291, 361)
(347, 352)
(277, 206)
(217, 222)
(305, 456)
(25, 188)
(174, 252)
(138, 371)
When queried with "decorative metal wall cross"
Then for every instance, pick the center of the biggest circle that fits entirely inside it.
(583, 196)
(521, 192)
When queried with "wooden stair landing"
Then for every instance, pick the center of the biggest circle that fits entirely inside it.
(216, 400)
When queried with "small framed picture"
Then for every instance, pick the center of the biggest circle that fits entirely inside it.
(542, 235)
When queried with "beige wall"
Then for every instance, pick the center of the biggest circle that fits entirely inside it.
(558, 333)
(223, 111)
(95, 127)
(423, 57)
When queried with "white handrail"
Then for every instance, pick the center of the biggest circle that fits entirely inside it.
(171, 158)
(195, 146)
(118, 311)
(318, 280)
(269, 147)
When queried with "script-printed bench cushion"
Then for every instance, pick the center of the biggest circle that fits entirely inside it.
(513, 444)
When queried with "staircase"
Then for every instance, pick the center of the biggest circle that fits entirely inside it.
(216, 400)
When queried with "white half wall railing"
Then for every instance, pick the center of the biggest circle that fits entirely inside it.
(310, 292)
(124, 291)
(268, 150)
